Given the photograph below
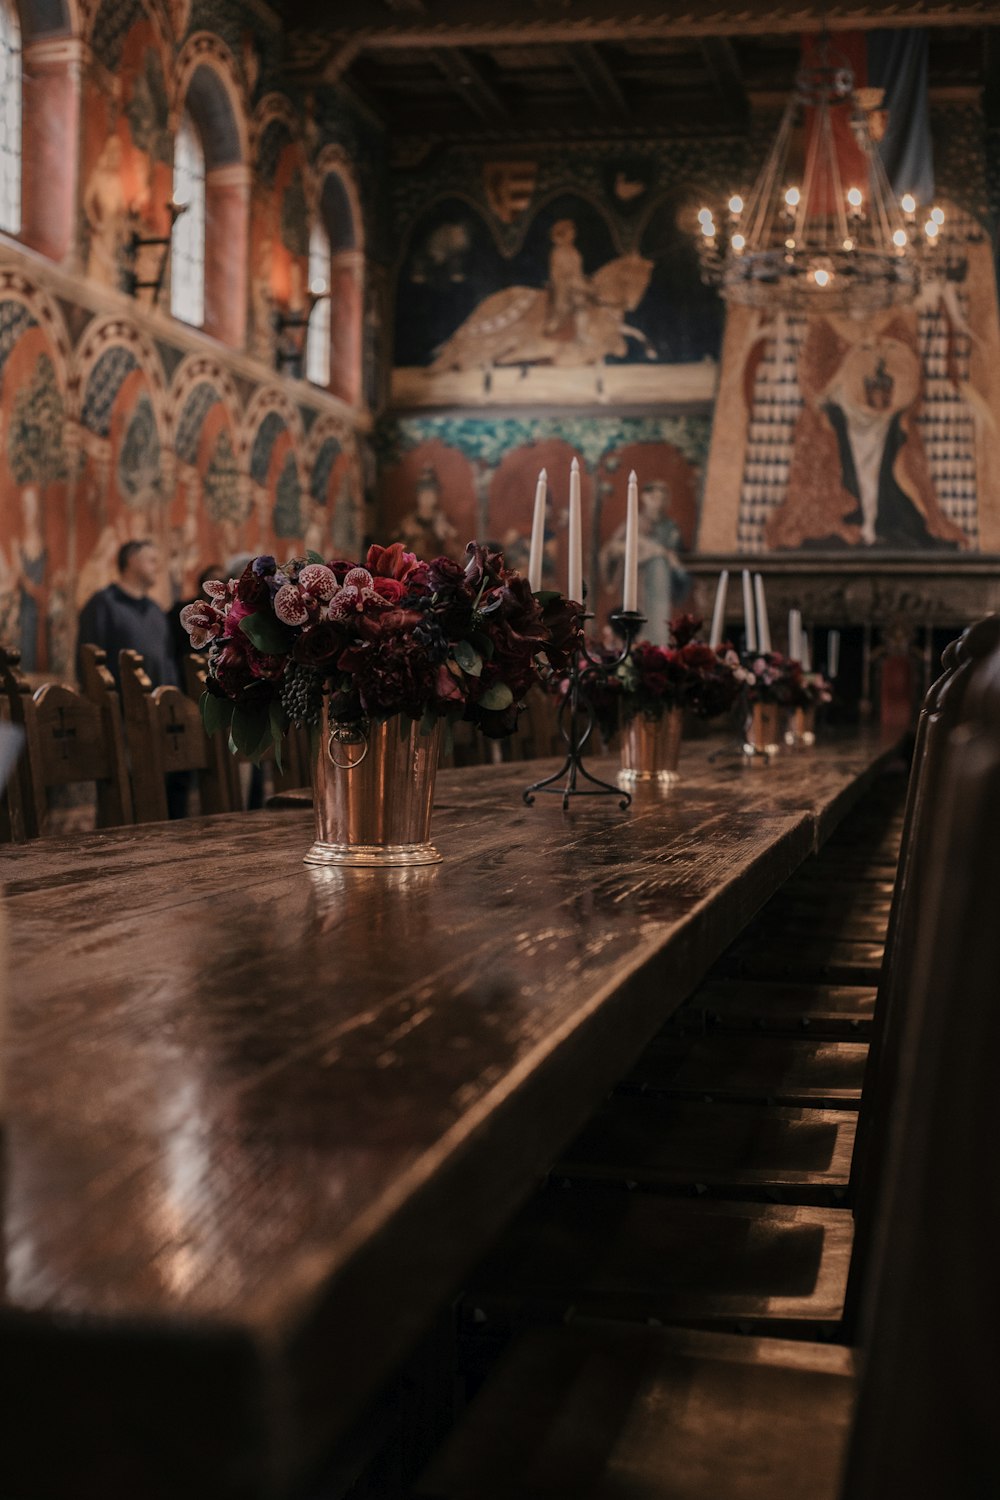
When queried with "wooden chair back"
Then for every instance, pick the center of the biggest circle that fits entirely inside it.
(68, 739)
(164, 733)
(940, 713)
(926, 1415)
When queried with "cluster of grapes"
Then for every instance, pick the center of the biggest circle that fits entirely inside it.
(302, 694)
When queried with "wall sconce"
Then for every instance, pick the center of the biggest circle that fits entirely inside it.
(292, 329)
(137, 242)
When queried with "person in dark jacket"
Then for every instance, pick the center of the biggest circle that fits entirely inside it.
(123, 616)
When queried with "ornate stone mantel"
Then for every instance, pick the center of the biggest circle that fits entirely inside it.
(920, 590)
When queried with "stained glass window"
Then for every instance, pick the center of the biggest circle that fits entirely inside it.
(10, 120)
(187, 269)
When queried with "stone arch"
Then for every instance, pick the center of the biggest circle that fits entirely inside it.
(44, 310)
(108, 333)
(271, 442)
(195, 370)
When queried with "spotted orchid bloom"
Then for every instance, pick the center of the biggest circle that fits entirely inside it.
(318, 582)
(203, 622)
(356, 596)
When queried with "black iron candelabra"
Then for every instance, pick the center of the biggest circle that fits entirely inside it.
(577, 717)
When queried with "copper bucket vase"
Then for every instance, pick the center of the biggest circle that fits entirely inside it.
(650, 748)
(762, 735)
(373, 793)
(801, 731)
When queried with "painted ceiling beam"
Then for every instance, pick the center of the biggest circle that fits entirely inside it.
(364, 24)
(468, 82)
(599, 81)
(723, 64)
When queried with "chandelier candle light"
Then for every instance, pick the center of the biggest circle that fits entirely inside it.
(821, 230)
(577, 717)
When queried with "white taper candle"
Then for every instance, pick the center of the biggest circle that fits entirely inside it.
(631, 594)
(807, 658)
(538, 534)
(718, 612)
(833, 654)
(749, 624)
(763, 628)
(574, 586)
(794, 635)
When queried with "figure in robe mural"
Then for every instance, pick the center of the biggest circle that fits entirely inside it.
(106, 210)
(427, 530)
(859, 473)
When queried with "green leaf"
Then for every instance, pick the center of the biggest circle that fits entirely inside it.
(314, 557)
(483, 644)
(278, 725)
(468, 658)
(267, 633)
(496, 697)
(216, 713)
(251, 730)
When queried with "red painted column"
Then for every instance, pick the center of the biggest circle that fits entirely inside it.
(227, 209)
(51, 146)
(347, 320)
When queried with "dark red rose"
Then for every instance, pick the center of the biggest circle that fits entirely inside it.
(445, 575)
(319, 644)
(389, 588)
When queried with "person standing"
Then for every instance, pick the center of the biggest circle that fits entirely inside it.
(123, 616)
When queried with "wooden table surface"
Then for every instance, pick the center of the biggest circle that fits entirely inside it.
(261, 1118)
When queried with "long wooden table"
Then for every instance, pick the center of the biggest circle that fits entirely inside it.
(260, 1119)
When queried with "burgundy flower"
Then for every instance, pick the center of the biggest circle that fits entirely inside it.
(684, 628)
(392, 562)
(319, 644)
(252, 590)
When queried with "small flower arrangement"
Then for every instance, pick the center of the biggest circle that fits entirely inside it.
(686, 674)
(396, 635)
(770, 677)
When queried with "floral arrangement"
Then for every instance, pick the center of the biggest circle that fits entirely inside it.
(685, 674)
(770, 677)
(396, 635)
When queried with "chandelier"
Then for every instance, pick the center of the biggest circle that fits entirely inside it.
(821, 230)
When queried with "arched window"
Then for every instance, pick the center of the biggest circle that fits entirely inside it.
(187, 270)
(318, 337)
(10, 119)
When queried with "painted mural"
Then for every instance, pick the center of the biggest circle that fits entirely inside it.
(565, 297)
(98, 446)
(877, 434)
(444, 480)
(118, 423)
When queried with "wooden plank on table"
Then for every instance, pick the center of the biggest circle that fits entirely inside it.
(262, 1118)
